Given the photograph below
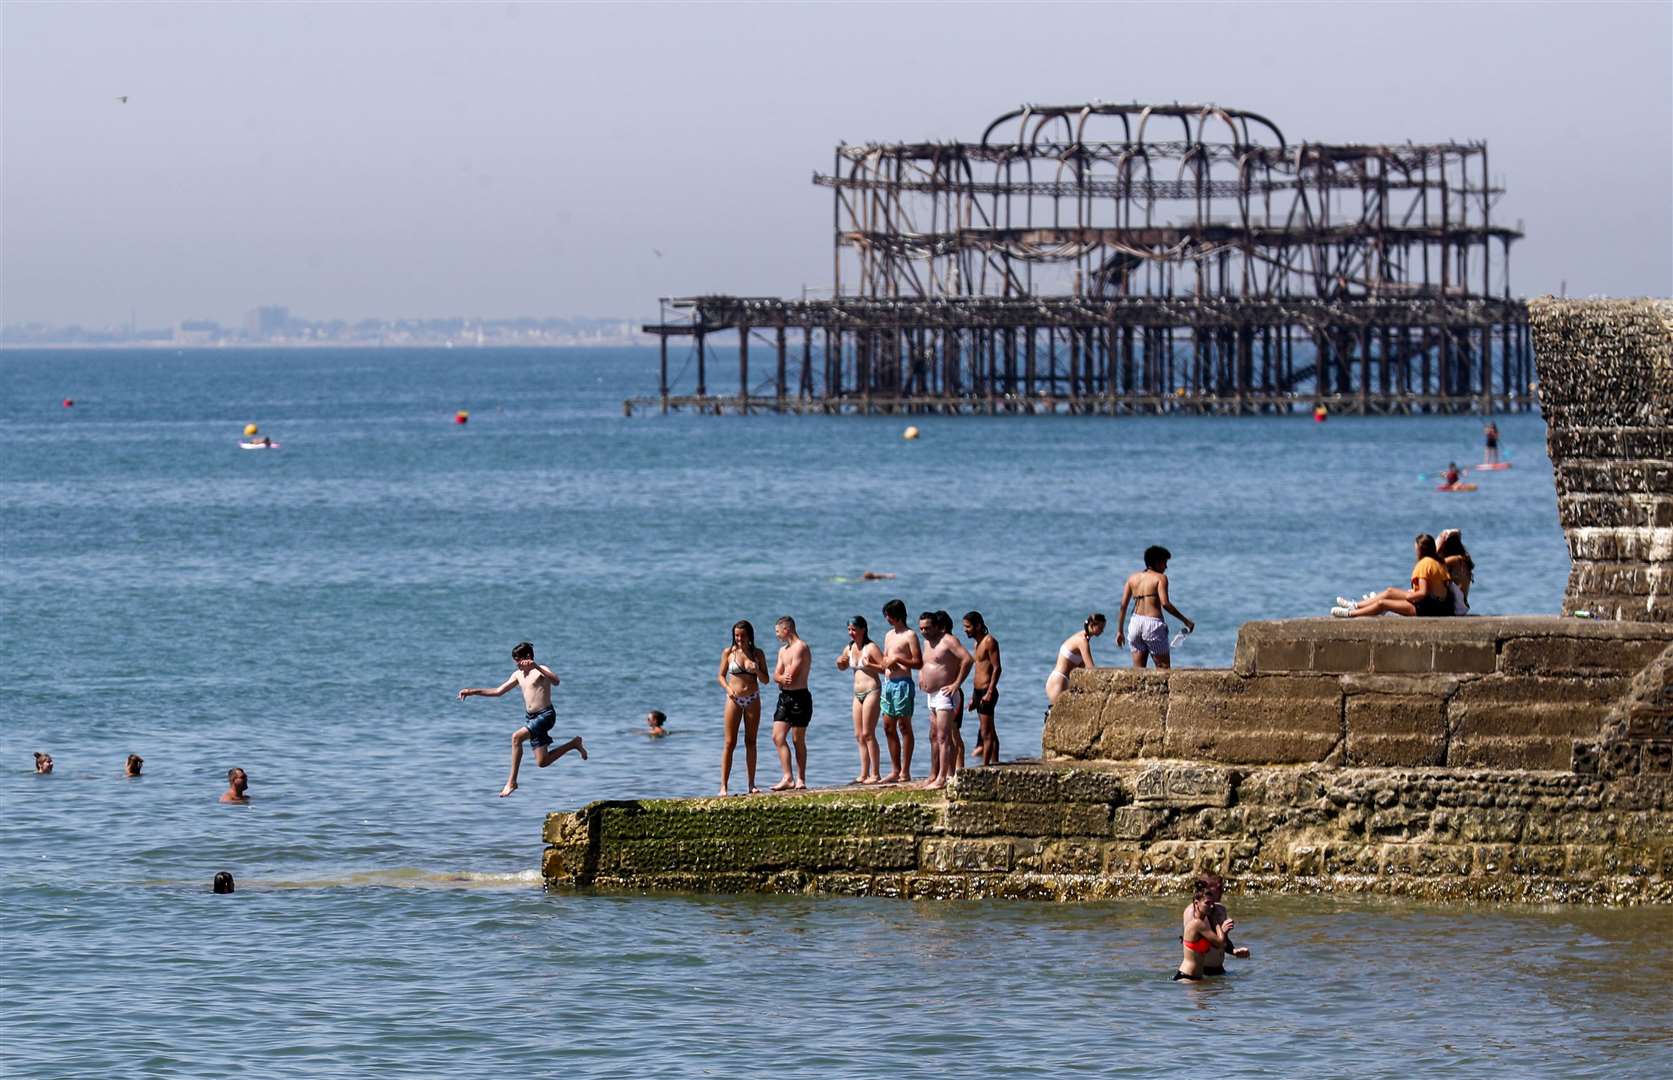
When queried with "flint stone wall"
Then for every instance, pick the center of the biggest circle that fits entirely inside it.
(1606, 389)
(1075, 832)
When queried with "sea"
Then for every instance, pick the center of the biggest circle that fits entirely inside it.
(308, 614)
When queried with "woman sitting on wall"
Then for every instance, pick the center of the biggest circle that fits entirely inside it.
(1450, 550)
(1429, 595)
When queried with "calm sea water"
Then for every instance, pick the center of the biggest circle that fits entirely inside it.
(308, 614)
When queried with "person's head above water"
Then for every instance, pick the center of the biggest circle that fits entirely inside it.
(133, 765)
(237, 781)
(1156, 558)
(43, 763)
(223, 882)
(655, 719)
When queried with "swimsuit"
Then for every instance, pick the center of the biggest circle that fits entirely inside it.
(945, 699)
(984, 707)
(795, 707)
(1072, 656)
(743, 701)
(898, 696)
(1147, 633)
(539, 726)
(1201, 945)
(861, 695)
(1180, 976)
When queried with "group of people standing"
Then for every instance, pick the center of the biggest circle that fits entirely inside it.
(887, 678)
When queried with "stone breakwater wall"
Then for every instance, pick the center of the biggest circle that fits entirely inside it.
(1606, 389)
(1452, 759)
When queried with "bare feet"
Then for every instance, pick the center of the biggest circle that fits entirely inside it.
(723, 793)
(892, 778)
(580, 748)
(800, 785)
(935, 783)
(861, 779)
(507, 790)
(782, 784)
(753, 790)
(870, 780)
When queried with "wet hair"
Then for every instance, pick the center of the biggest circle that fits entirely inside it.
(522, 651)
(1425, 545)
(223, 882)
(858, 622)
(236, 769)
(974, 618)
(785, 620)
(658, 716)
(1094, 619)
(133, 764)
(749, 632)
(895, 609)
(1155, 555)
(1451, 544)
(43, 762)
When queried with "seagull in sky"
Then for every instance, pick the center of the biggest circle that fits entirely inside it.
(123, 99)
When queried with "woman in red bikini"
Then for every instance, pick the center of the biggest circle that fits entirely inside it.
(1200, 934)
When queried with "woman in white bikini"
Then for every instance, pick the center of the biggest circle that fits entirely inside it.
(865, 660)
(1076, 651)
(742, 667)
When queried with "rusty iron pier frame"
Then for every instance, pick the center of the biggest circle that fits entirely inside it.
(1046, 269)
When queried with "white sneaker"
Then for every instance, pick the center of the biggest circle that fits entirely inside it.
(1342, 601)
(1342, 612)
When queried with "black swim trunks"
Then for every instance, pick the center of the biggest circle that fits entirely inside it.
(1180, 976)
(984, 704)
(795, 707)
(540, 726)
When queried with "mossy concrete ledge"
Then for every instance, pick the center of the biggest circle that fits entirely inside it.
(1451, 759)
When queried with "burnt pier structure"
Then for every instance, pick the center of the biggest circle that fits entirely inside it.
(1118, 259)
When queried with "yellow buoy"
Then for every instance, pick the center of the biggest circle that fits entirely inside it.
(910, 433)
(251, 429)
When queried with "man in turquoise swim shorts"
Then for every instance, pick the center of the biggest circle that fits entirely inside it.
(901, 656)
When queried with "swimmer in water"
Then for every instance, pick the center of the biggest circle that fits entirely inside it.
(43, 763)
(654, 721)
(238, 781)
(223, 883)
(1199, 935)
(537, 683)
(1214, 960)
(133, 765)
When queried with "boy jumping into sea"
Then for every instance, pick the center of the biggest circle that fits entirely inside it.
(537, 682)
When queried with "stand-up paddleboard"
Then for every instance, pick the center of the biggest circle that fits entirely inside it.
(1455, 487)
(1492, 466)
(257, 445)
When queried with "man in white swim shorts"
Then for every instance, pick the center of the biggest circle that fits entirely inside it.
(1147, 590)
(946, 665)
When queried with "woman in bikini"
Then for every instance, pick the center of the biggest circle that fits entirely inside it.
(1076, 651)
(1200, 935)
(1147, 591)
(742, 666)
(1449, 548)
(865, 660)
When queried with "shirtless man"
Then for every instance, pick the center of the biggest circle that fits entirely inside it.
(984, 686)
(945, 665)
(795, 704)
(536, 682)
(1147, 591)
(238, 782)
(901, 657)
(1199, 935)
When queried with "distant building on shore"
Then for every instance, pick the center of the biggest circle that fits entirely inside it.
(263, 323)
(197, 332)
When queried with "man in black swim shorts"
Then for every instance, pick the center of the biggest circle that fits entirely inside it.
(795, 703)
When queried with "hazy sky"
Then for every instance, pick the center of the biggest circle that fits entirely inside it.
(504, 159)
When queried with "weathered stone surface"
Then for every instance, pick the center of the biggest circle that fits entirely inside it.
(1183, 786)
(944, 856)
(1395, 729)
(1028, 819)
(1220, 716)
(1108, 713)
(1578, 656)
(1516, 722)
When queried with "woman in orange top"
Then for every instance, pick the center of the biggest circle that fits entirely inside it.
(1428, 596)
(1200, 934)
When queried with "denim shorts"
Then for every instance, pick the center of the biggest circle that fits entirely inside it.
(540, 726)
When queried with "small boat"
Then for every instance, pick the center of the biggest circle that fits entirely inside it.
(1492, 466)
(1455, 487)
(257, 444)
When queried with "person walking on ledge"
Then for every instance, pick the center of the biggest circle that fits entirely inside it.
(795, 704)
(1147, 590)
(537, 683)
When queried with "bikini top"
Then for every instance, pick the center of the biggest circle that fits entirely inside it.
(1071, 654)
(1201, 945)
(734, 669)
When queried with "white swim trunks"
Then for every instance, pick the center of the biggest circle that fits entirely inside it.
(944, 699)
(1147, 635)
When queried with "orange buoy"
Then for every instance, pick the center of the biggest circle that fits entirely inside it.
(461, 417)
(69, 402)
